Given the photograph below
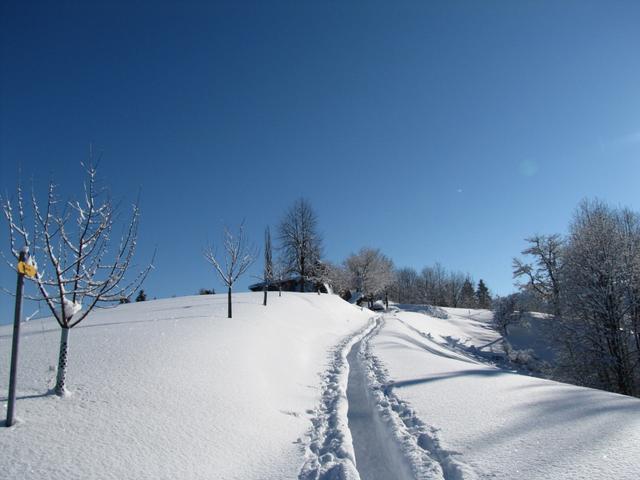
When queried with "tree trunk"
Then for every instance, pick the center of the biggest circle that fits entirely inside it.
(229, 302)
(386, 300)
(264, 302)
(62, 362)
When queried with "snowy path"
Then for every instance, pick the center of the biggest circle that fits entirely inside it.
(377, 455)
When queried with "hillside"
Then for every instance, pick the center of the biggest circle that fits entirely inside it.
(173, 389)
(310, 387)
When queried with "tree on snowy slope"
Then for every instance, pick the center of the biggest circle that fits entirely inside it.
(267, 272)
(371, 272)
(238, 257)
(544, 275)
(468, 295)
(600, 284)
(300, 242)
(77, 269)
(506, 311)
(405, 285)
(483, 296)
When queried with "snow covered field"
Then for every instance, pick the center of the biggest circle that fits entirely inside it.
(483, 422)
(309, 387)
(173, 389)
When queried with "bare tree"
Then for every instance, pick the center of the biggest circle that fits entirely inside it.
(268, 264)
(238, 257)
(300, 242)
(71, 243)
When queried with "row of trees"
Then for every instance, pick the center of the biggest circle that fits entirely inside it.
(589, 281)
(79, 267)
(435, 285)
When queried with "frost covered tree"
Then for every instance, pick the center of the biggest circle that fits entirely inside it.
(300, 241)
(339, 280)
(79, 267)
(506, 312)
(267, 272)
(238, 257)
(370, 271)
(543, 276)
(600, 283)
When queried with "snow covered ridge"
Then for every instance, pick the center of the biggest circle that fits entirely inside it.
(174, 389)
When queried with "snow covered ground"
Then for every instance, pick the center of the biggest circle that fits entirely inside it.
(483, 422)
(310, 387)
(173, 389)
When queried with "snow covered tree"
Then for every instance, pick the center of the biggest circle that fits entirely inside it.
(339, 280)
(238, 257)
(300, 242)
(599, 288)
(506, 311)
(483, 296)
(78, 266)
(267, 273)
(370, 271)
(544, 275)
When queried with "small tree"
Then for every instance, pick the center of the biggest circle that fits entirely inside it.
(77, 269)
(483, 295)
(268, 264)
(238, 257)
(468, 295)
(142, 297)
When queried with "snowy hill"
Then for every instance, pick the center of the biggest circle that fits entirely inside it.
(173, 389)
(310, 387)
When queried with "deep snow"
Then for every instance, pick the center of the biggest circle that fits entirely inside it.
(496, 423)
(173, 389)
(310, 387)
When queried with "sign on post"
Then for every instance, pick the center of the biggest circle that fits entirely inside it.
(24, 268)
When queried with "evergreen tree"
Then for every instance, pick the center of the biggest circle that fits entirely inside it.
(468, 295)
(483, 295)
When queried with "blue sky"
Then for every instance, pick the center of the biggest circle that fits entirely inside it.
(436, 131)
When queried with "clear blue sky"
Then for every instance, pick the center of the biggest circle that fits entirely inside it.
(436, 131)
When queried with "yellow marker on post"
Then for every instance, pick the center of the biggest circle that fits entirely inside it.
(26, 269)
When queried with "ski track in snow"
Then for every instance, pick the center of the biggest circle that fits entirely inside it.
(329, 452)
(418, 441)
(362, 430)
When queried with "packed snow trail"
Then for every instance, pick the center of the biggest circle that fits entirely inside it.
(377, 455)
